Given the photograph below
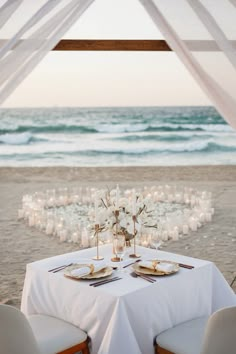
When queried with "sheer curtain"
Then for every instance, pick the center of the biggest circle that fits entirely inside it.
(203, 34)
(7, 9)
(20, 55)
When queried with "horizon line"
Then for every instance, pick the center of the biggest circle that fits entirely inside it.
(115, 106)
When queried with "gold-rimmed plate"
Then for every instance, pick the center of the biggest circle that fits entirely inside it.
(143, 270)
(105, 272)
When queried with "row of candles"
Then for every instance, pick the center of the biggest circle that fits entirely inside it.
(40, 210)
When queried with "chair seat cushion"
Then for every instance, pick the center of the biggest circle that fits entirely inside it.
(185, 338)
(54, 335)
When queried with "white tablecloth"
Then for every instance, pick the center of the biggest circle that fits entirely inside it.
(125, 316)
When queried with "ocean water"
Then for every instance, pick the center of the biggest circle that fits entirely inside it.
(115, 137)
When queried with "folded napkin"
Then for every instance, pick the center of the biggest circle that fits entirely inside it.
(159, 266)
(88, 269)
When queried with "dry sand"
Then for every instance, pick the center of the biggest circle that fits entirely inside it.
(20, 245)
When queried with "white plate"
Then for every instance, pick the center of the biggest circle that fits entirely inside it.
(144, 270)
(105, 272)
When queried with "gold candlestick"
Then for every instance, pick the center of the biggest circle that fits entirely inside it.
(97, 257)
(116, 259)
(134, 255)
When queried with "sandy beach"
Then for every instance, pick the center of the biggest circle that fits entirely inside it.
(215, 241)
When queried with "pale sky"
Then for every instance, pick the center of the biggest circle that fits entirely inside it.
(106, 78)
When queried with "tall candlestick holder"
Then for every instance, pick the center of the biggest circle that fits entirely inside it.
(116, 258)
(97, 257)
(134, 255)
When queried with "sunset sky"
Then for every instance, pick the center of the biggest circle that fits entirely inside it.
(106, 78)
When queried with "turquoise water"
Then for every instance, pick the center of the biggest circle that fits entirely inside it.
(115, 136)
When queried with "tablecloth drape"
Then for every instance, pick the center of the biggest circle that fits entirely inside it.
(125, 316)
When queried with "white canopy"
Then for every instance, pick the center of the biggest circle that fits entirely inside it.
(201, 32)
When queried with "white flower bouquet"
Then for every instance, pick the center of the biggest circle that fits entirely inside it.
(123, 214)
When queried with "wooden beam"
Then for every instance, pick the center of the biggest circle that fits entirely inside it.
(112, 45)
(150, 45)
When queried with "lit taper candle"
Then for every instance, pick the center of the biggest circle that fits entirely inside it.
(96, 208)
(134, 203)
(117, 197)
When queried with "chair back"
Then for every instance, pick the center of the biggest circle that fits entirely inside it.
(16, 335)
(220, 333)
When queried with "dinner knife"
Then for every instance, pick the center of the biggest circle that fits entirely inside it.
(104, 281)
(187, 266)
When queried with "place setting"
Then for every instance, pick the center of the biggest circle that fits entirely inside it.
(91, 271)
(85, 269)
(155, 267)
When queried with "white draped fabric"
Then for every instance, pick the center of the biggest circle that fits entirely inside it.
(7, 9)
(40, 34)
(201, 32)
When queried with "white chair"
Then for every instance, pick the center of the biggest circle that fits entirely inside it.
(220, 334)
(39, 334)
(16, 335)
(213, 335)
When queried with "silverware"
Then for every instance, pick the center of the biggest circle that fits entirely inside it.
(143, 276)
(187, 266)
(127, 265)
(57, 269)
(182, 265)
(102, 282)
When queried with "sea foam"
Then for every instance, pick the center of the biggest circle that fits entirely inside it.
(115, 136)
(16, 139)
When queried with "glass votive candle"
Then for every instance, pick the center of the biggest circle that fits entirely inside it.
(193, 224)
(208, 217)
(31, 220)
(171, 234)
(164, 235)
(185, 229)
(202, 217)
(63, 235)
(49, 228)
(21, 214)
(75, 237)
(178, 198)
(84, 238)
(175, 233)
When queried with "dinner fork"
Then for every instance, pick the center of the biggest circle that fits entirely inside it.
(145, 277)
(57, 269)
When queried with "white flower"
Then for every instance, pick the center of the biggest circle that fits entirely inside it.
(122, 202)
(108, 206)
(126, 221)
(109, 211)
(109, 223)
(101, 194)
(101, 217)
(113, 193)
(90, 227)
(139, 197)
(91, 214)
(130, 229)
(138, 226)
